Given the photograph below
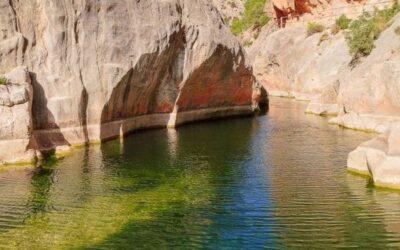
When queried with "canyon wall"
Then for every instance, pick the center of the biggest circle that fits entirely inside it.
(319, 68)
(362, 94)
(101, 69)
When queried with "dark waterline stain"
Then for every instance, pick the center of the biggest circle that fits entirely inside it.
(273, 182)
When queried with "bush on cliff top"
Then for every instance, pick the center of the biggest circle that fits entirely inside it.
(253, 16)
(313, 28)
(366, 29)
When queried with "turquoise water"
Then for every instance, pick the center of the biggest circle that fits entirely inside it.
(272, 182)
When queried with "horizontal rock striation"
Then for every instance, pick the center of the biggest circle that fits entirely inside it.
(101, 69)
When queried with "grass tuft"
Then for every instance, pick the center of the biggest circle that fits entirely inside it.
(3, 81)
(313, 28)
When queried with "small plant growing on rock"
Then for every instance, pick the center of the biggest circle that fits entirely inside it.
(3, 80)
(324, 37)
(313, 28)
(343, 22)
(247, 43)
(397, 30)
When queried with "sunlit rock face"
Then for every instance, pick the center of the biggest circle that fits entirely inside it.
(369, 94)
(290, 63)
(104, 68)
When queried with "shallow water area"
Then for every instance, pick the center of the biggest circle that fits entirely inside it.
(272, 182)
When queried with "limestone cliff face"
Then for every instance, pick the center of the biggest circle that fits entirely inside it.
(288, 63)
(100, 69)
(317, 68)
(369, 96)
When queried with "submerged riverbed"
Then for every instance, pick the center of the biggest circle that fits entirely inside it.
(275, 181)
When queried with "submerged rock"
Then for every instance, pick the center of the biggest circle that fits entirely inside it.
(101, 69)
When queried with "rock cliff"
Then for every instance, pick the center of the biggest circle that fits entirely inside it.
(101, 69)
(369, 96)
(365, 95)
(291, 64)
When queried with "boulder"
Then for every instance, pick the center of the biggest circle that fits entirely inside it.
(379, 157)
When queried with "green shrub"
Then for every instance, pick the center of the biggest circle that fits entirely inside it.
(313, 28)
(343, 22)
(253, 17)
(3, 80)
(366, 29)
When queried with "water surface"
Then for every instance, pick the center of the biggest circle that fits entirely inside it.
(273, 182)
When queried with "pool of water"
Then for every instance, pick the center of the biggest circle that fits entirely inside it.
(272, 182)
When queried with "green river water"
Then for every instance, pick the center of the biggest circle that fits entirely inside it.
(277, 181)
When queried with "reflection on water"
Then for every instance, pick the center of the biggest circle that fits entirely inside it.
(277, 181)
